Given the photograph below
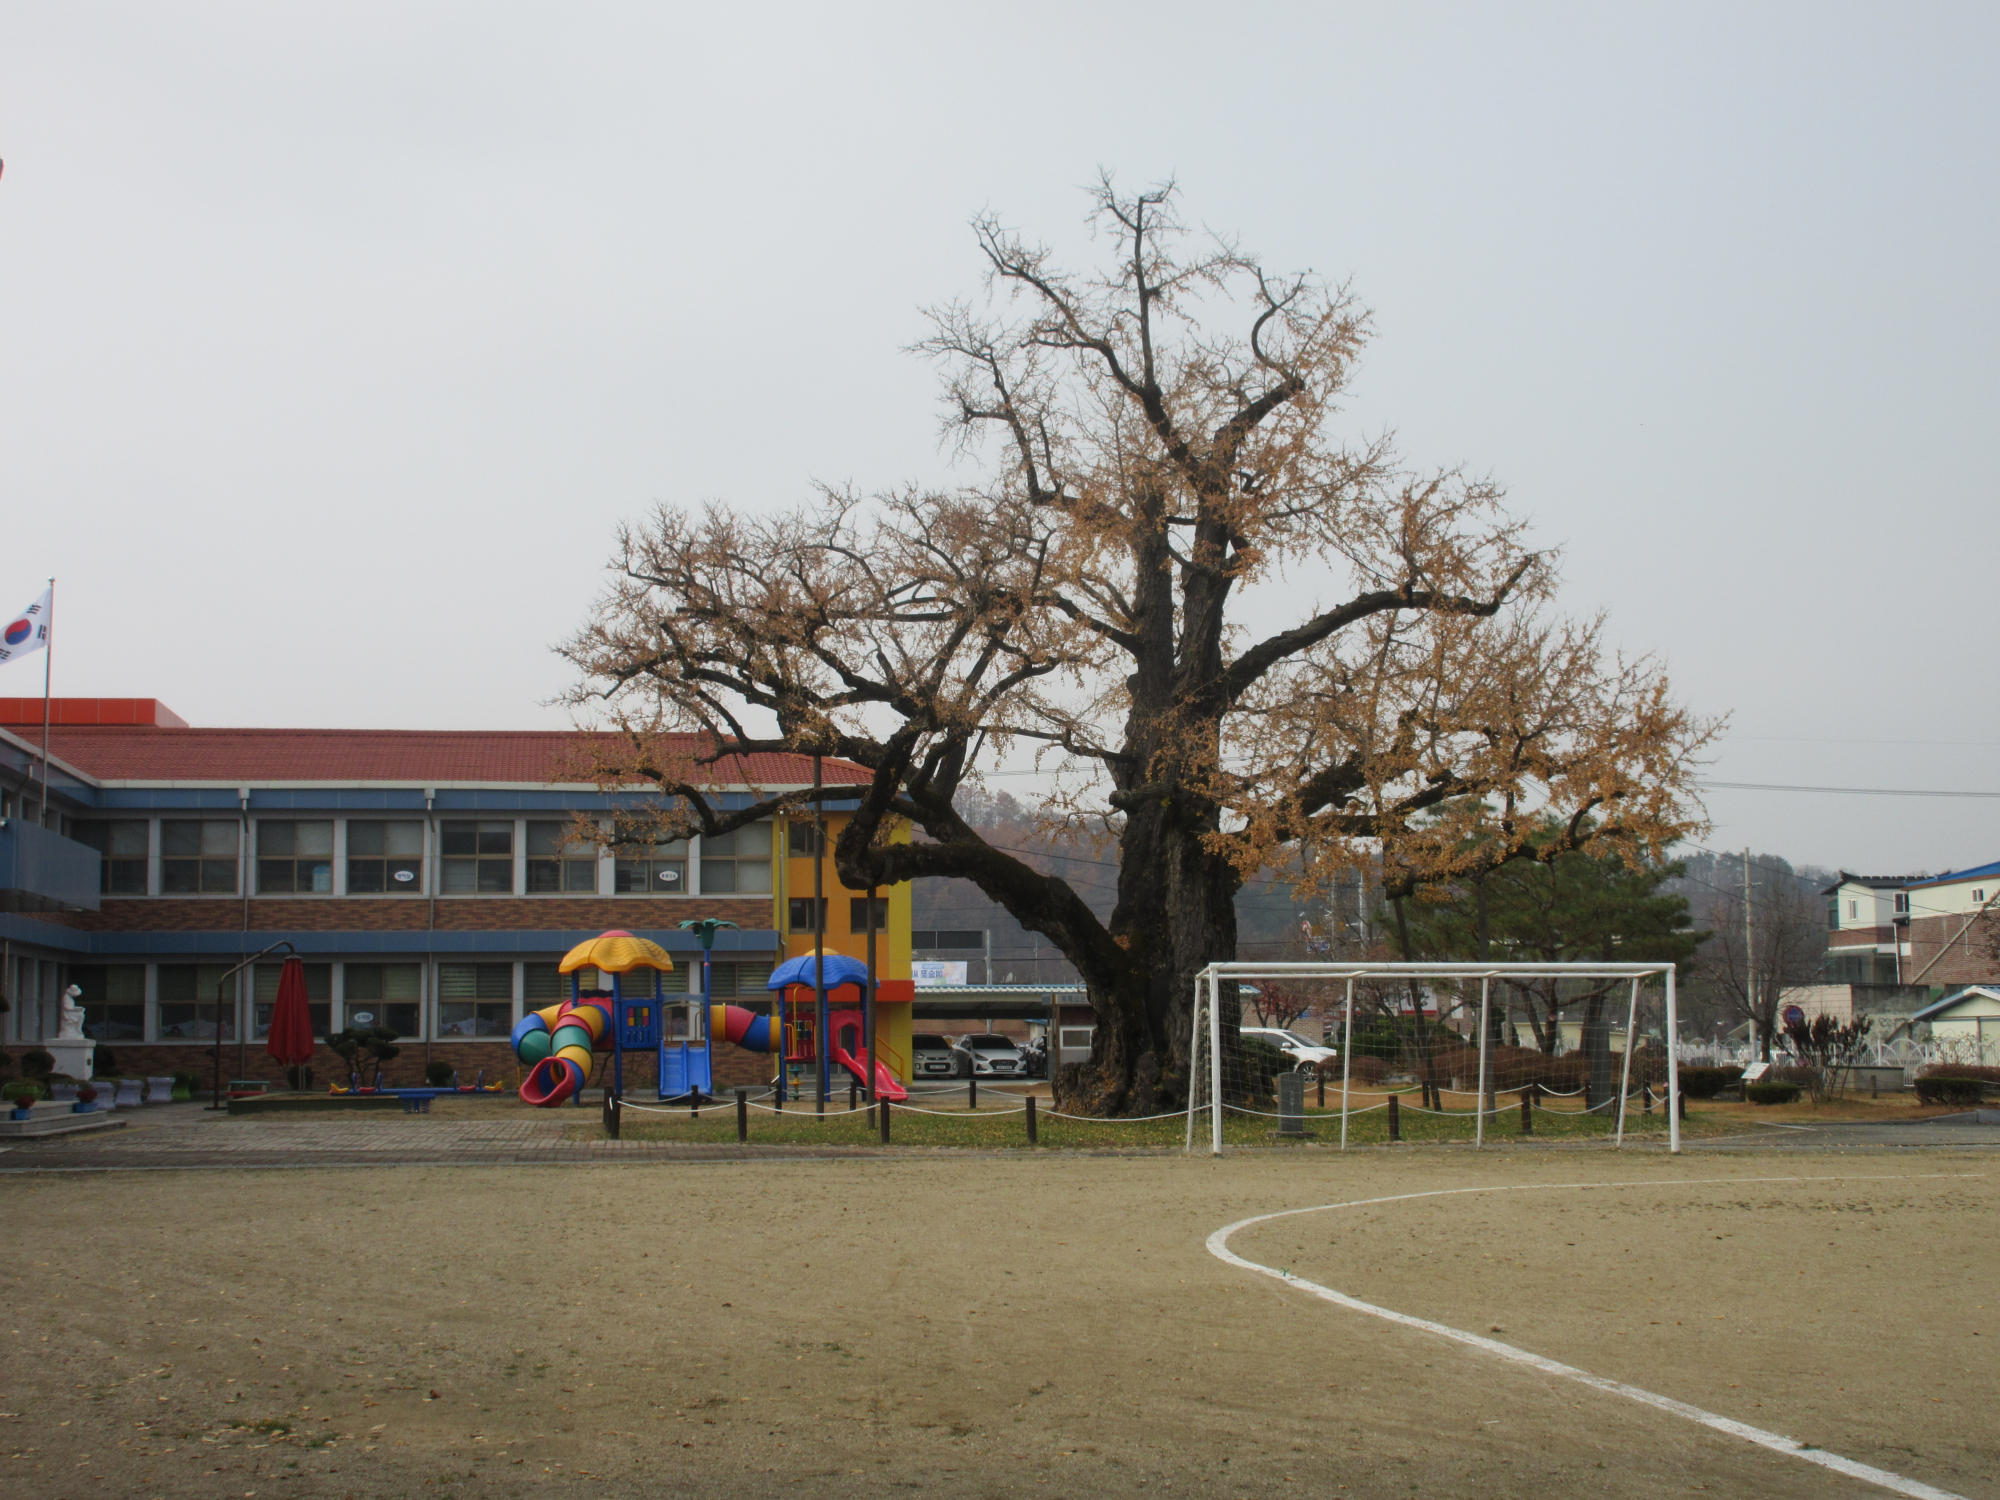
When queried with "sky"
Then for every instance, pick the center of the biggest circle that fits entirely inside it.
(336, 340)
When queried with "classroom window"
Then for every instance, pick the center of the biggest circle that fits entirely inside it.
(1854, 908)
(738, 862)
(388, 995)
(198, 857)
(557, 863)
(478, 858)
(799, 914)
(1903, 903)
(544, 985)
(475, 1000)
(121, 844)
(294, 857)
(113, 1000)
(384, 858)
(187, 1002)
(803, 839)
(650, 869)
(319, 998)
(857, 913)
(741, 978)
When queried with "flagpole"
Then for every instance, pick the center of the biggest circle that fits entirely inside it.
(48, 664)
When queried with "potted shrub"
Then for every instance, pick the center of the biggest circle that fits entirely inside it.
(86, 1098)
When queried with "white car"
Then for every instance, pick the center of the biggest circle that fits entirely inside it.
(1306, 1056)
(987, 1054)
(931, 1056)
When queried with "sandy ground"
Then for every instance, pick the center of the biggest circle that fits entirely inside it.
(994, 1326)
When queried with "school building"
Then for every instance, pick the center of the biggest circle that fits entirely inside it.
(430, 880)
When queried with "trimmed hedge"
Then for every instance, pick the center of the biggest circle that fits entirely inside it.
(1935, 1090)
(1706, 1083)
(1961, 1070)
(1771, 1093)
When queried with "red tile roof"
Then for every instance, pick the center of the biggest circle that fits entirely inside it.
(421, 756)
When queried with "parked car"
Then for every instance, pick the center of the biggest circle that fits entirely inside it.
(984, 1054)
(931, 1056)
(1305, 1055)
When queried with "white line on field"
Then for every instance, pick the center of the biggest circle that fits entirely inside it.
(1218, 1246)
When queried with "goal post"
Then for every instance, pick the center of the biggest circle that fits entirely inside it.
(1213, 1092)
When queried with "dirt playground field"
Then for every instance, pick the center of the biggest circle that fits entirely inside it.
(977, 1326)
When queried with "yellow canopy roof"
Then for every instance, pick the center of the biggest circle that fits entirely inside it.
(617, 953)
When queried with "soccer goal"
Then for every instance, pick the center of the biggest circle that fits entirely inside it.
(1440, 1030)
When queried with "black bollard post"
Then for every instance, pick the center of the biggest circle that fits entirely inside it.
(742, 1115)
(1528, 1110)
(1322, 1087)
(1031, 1119)
(884, 1120)
(972, 1090)
(1681, 1103)
(853, 1095)
(1395, 1120)
(694, 1104)
(612, 1123)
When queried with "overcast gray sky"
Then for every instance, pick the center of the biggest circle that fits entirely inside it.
(335, 339)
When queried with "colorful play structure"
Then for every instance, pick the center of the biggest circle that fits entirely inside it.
(557, 1043)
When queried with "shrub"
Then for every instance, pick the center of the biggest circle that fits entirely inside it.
(104, 1062)
(1262, 1062)
(1789, 1073)
(38, 1064)
(1772, 1093)
(23, 1090)
(1960, 1070)
(1948, 1090)
(439, 1074)
(1706, 1083)
(1364, 1070)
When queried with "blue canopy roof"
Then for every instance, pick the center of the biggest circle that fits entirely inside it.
(840, 969)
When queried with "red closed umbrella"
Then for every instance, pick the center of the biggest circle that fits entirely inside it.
(290, 1040)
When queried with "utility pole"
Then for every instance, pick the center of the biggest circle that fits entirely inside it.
(1749, 973)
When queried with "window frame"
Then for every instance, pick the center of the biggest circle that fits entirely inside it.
(735, 862)
(856, 913)
(566, 863)
(482, 861)
(347, 858)
(331, 859)
(204, 863)
(108, 859)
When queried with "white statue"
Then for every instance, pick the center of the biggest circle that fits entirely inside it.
(71, 1029)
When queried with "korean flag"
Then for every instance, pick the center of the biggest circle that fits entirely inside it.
(26, 632)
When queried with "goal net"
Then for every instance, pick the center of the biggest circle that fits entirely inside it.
(1360, 1053)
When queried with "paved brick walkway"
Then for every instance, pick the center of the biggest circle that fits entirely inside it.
(184, 1136)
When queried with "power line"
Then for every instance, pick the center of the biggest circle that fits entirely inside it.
(1845, 791)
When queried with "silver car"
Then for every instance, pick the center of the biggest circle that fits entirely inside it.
(931, 1056)
(985, 1054)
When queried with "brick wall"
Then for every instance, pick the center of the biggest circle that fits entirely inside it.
(1971, 959)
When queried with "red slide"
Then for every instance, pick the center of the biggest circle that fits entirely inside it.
(886, 1084)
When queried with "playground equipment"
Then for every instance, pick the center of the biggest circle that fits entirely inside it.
(556, 1042)
(752, 1032)
(844, 1031)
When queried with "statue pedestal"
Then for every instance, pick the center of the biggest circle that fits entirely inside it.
(76, 1058)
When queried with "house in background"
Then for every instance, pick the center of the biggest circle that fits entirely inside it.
(1966, 1024)
(431, 881)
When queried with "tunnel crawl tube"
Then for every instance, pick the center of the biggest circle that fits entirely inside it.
(555, 1044)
